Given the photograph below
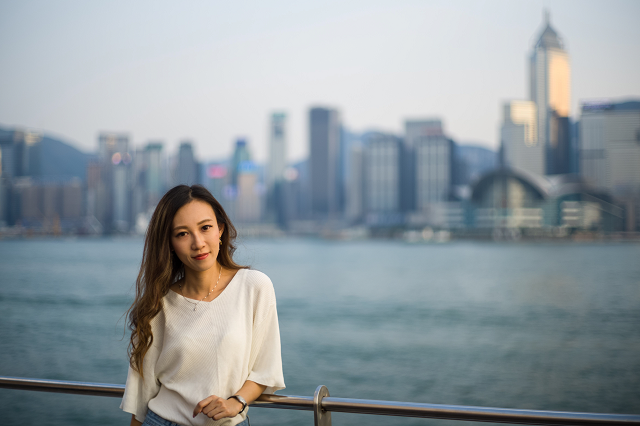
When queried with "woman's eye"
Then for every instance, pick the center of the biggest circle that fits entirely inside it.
(206, 227)
(181, 234)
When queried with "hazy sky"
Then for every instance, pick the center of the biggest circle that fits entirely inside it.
(211, 71)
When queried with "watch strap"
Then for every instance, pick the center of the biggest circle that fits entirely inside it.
(241, 400)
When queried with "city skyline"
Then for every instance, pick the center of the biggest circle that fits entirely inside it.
(421, 180)
(152, 82)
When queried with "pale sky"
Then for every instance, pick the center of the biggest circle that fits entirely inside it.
(211, 71)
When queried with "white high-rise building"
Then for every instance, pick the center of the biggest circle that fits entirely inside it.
(550, 89)
(521, 148)
(275, 176)
(354, 208)
(277, 149)
(432, 163)
(382, 173)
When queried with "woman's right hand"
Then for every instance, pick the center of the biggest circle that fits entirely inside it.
(217, 408)
(134, 422)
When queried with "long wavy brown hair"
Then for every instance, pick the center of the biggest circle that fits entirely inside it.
(160, 267)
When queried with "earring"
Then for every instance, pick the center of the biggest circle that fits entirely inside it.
(219, 242)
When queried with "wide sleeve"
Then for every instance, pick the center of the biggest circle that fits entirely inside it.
(139, 391)
(265, 366)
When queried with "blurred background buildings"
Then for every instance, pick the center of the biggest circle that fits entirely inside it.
(554, 175)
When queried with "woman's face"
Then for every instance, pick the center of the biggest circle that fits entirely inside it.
(195, 236)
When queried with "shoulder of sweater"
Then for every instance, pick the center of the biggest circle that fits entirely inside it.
(258, 282)
(257, 279)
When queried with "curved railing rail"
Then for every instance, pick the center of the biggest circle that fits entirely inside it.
(323, 405)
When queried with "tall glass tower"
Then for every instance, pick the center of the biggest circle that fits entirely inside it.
(324, 141)
(277, 149)
(550, 83)
(276, 167)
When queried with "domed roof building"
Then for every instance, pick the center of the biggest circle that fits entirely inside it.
(510, 198)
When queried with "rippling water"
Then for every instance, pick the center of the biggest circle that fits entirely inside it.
(541, 326)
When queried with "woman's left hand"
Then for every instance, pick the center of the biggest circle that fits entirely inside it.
(217, 408)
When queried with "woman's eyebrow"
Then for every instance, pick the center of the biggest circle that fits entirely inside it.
(199, 223)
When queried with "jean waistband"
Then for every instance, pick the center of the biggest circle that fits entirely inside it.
(152, 419)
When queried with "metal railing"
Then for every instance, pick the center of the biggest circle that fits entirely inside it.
(323, 405)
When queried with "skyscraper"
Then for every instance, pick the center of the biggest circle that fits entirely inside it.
(16, 152)
(248, 202)
(148, 183)
(354, 203)
(115, 164)
(187, 170)
(277, 149)
(324, 141)
(240, 155)
(153, 177)
(550, 89)
(382, 154)
(610, 153)
(277, 165)
(521, 148)
(349, 141)
(429, 167)
(243, 196)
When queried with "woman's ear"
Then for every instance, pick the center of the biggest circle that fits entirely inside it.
(221, 229)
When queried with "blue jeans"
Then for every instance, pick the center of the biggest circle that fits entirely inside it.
(152, 419)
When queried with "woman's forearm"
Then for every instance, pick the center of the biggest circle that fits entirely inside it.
(250, 391)
(134, 422)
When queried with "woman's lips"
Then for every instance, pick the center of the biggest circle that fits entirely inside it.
(201, 256)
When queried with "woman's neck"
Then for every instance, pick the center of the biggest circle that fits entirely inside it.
(200, 283)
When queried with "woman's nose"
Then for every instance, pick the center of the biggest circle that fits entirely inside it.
(198, 241)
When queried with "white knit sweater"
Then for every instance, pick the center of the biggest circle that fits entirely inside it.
(210, 351)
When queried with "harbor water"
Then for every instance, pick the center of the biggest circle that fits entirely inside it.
(549, 326)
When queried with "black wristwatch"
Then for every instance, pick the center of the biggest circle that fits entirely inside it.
(241, 401)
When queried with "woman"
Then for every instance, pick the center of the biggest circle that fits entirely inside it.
(204, 330)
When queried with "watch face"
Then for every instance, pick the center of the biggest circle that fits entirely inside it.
(241, 400)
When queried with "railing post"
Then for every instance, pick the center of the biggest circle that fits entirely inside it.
(320, 417)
